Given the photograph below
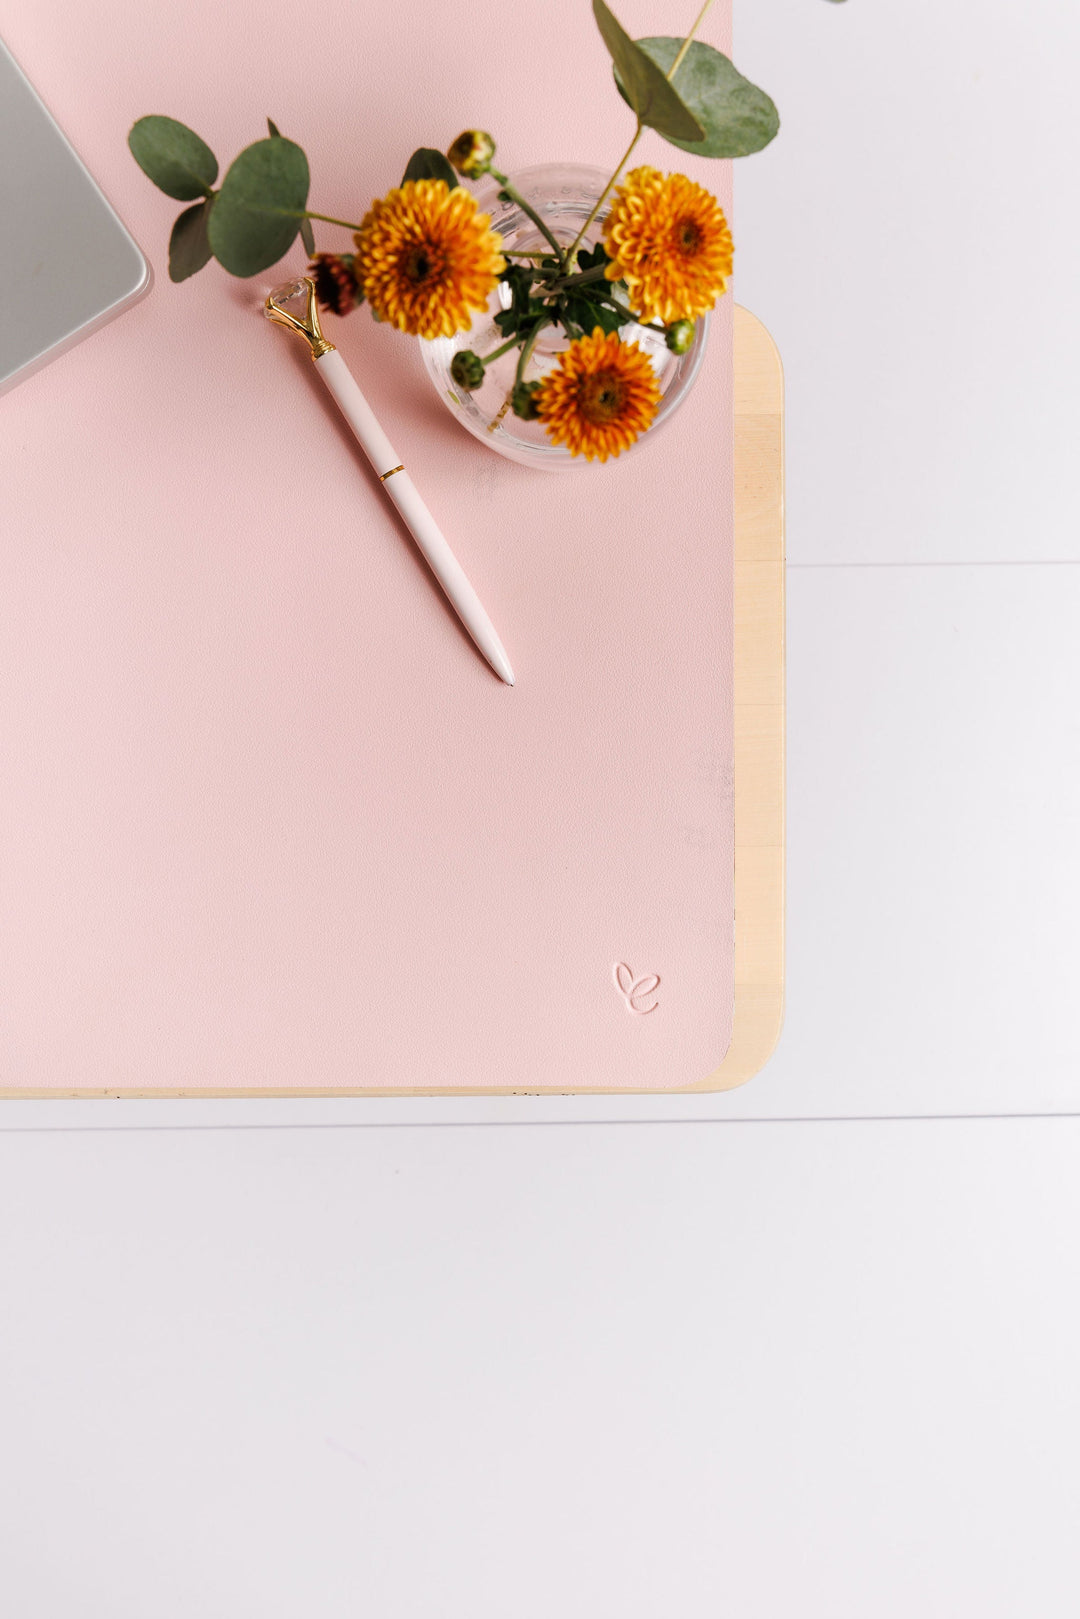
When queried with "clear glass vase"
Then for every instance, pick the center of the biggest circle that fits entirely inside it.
(563, 194)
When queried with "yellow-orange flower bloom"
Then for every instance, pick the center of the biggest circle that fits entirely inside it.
(426, 258)
(668, 239)
(601, 395)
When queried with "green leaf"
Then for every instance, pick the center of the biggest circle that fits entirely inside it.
(592, 259)
(428, 164)
(737, 117)
(189, 246)
(524, 308)
(610, 319)
(588, 312)
(307, 235)
(643, 85)
(174, 157)
(258, 210)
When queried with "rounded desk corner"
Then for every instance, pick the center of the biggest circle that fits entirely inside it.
(759, 370)
(758, 1028)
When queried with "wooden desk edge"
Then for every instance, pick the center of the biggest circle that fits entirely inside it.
(759, 760)
(759, 706)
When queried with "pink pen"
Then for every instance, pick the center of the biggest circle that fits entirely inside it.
(384, 458)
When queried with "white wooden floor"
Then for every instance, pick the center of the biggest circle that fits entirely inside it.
(332, 1359)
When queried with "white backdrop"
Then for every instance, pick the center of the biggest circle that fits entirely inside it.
(763, 1370)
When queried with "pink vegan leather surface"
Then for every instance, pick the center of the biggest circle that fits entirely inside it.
(266, 817)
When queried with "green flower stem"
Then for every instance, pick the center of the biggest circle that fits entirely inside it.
(530, 344)
(486, 359)
(527, 208)
(526, 355)
(597, 273)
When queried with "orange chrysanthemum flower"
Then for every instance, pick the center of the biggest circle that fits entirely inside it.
(600, 396)
(668, 239)
(426, 258)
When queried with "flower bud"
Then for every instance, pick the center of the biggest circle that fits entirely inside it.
(523, 401)
(680, 336)
(336, 286)
(467, 370)
(471, 153)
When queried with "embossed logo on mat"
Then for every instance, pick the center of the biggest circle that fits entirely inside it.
(635, 992)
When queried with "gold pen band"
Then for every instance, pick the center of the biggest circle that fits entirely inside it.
(384, 475)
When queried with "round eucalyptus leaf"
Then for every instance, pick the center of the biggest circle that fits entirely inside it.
(174, 157)
(641, 83)
(736, 116)
(189, 246)
(259, 208)
(307, 235)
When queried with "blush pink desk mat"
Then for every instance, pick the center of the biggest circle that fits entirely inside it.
(267, 820)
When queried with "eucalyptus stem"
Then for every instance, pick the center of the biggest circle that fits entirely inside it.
(327, 219)
(568, 258)
(527, 208)
(569, 255)
(687, 42)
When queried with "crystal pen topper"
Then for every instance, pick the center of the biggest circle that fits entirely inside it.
(293, 306)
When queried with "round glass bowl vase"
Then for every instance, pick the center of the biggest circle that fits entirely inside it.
(563, 195)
